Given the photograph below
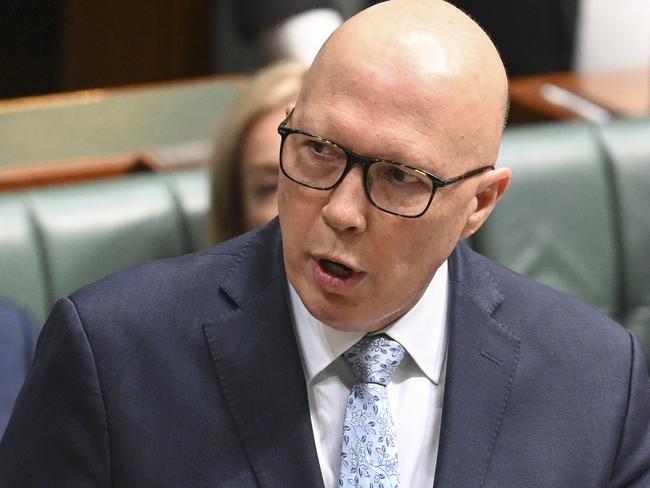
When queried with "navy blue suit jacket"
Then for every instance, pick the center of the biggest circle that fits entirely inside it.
(186, 372)
(17, 341)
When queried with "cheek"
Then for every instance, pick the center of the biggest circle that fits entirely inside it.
(300, 207)
(418, 254)
(446, 225)
(290, 217)
(283, 199)
(282, 190)
(422, 246)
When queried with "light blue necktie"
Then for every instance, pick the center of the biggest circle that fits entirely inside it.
(369, 448)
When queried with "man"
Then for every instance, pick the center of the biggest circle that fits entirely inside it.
(230, 368)
(17, 340)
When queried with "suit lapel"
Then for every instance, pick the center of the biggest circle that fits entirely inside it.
(481, 363)
(258, 366)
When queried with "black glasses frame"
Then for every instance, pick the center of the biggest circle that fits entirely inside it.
(365, 162)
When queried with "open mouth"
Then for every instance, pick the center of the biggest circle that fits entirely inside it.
(336, 269)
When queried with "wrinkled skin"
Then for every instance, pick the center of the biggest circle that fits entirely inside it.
(407, 80)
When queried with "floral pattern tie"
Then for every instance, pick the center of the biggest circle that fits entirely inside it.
(369, 448)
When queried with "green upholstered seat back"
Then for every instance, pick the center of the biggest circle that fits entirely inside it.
(22, 271)
(627, 143)
(556, 223)
(575, 217)
(55, 240)
(191, 189)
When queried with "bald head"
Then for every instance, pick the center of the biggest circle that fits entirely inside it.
(424, 62)
(409, 81)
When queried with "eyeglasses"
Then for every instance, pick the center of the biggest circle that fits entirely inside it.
(394, 187)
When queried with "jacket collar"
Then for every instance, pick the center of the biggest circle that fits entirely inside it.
(258, 366)
(481, 363)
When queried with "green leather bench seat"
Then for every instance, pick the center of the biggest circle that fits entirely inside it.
(628, 147)
(23, 274)
(575, 217)
(58, 239)
(557, 223)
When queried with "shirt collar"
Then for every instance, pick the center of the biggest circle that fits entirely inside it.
(422, 331)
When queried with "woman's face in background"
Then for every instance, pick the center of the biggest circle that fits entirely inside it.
(259, 171)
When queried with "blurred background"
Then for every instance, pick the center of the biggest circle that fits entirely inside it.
(597, 50)
(49, 46)
(111, 113)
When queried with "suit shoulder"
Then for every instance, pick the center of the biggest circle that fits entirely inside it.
(161, 284)
(172, 273)
(528, 305)
(158, 275)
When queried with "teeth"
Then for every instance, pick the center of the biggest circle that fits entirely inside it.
(336, 269)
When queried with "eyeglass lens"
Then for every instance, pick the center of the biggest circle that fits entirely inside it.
(390, 186)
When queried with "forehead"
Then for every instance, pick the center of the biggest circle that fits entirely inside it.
(427, 85)
(419, 127)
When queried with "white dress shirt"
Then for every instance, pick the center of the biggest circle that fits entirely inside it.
(415, 393)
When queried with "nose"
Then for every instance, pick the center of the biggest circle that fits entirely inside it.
(347, 206)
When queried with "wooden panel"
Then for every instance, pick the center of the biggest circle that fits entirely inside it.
(126, 41)
(622, 93)
(100, 133)
(60, 172)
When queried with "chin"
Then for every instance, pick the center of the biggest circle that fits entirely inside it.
(346, 323)
(347, 327)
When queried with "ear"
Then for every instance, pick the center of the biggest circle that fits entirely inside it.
(492, 186)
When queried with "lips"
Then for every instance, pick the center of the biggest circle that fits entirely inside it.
(337, 269)
(335, 277)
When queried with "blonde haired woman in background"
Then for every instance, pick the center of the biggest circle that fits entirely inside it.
(246, 162)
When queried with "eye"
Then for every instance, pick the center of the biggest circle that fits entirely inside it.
(322, 149)
(392, 176)
(317, 146)
(400, 176)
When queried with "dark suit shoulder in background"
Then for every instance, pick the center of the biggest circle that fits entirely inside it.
(17, 340)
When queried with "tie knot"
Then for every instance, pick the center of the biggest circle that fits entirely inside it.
(374, 359)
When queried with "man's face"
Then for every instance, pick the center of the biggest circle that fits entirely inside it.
(393, 258)
(405, 81)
